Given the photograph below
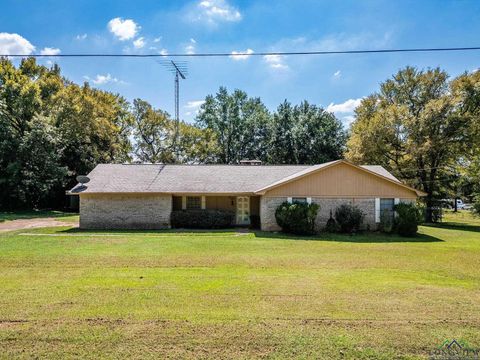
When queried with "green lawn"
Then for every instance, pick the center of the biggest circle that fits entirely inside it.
(32, 214)
(67, 293)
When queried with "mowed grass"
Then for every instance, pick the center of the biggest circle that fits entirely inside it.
(36, 214)
(65, 293)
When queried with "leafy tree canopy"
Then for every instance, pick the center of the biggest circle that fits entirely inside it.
(416, 126)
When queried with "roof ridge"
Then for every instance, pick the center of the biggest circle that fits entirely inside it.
(233, 165)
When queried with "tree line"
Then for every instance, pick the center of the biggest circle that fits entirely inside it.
(52, 130)
(421, 125)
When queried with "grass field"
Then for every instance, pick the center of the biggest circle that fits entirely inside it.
(22, 215)
(66, 293)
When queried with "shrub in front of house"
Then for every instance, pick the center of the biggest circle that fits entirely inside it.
(202, 219)
(297, 218)
(349, 218)
(408, 217)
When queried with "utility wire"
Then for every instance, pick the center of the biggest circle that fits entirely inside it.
(279, 53)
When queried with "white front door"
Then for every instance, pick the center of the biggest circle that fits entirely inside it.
(243, 210)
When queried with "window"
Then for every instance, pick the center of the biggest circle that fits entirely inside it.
(386, 207)
(194, 202)
(300, 200)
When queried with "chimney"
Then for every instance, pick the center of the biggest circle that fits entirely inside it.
(250, 162)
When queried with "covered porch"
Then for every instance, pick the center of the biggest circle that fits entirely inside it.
(245, 207)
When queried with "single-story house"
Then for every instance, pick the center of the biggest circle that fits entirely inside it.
(143, 196)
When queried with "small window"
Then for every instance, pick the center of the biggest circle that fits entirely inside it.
(300, 200)
(194, 202)
(386, 206)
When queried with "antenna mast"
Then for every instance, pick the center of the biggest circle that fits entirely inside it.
(180, 71)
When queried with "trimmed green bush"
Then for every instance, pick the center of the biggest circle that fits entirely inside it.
(349, 218)
(409, 216)
(202, 219)
(297, 218)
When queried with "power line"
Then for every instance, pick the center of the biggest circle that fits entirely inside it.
(274, 53)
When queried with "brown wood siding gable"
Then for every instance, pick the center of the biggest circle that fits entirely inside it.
(342, 180)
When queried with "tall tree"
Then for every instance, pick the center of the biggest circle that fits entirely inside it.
(466, 89)
(282, 141)
(153, 134)
(195, 145)
(305, 134)
(39, 163)
(413, 127)
(93, 125)
(239, 123)
(87, 125)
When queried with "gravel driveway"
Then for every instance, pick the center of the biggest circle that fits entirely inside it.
(33, 223)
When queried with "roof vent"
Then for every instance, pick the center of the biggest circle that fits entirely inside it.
(250, 162)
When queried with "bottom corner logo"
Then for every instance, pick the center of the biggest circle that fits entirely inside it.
(455, 349)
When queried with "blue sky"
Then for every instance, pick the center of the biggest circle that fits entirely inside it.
(336, 82)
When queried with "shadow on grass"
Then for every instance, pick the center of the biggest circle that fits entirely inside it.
(357, 238)
(32, 214)
(455, 226)
(151, 231)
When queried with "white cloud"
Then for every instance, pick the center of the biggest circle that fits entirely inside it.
(213, 12)
(81, 37)
(337, 74)
(345, 107)
(344, 111)
(158, 39)
(14, 44)
(50, 51)
(193, 41)
(244, 54)
(275, 62)
(163, 52)
(139, 43)
(123, 29)
(103, 79)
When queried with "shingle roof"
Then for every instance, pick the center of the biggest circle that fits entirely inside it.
(381, 171)
(184, 178)
(220, 179)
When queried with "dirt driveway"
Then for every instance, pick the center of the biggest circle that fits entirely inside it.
(33, 223)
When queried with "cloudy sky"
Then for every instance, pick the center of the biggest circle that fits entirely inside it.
(337, 82)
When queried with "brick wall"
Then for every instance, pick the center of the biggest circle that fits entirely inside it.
(366, 205)
(122, 211)
(268, 205)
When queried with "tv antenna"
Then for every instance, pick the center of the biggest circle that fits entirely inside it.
(179, 69)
